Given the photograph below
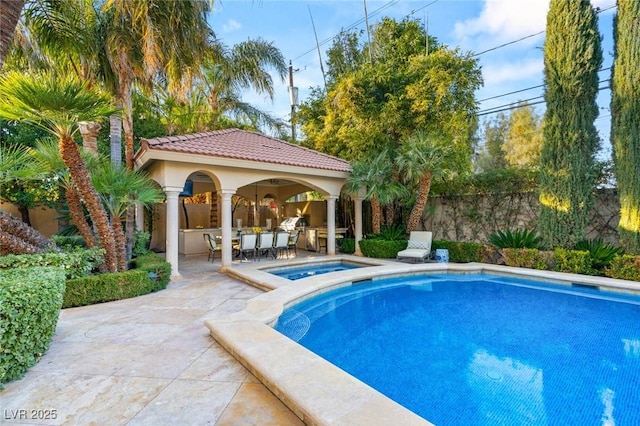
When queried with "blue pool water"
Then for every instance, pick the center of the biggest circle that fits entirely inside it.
(483, 350)
(312, 269)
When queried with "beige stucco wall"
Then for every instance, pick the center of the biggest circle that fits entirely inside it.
(43, 219)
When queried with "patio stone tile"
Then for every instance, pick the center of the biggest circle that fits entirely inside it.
(216, 364)
(165, 316)
(254, 404)
(188, 402)
(167, 362)
(88, 358)
(80, 399)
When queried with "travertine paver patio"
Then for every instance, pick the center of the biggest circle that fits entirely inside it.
(147, 361)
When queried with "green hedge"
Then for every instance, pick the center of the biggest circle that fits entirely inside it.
(30, 302)
(572, 261)
(527, 258)
(625, 267)
(156, 264)
(76, 263)
(382, 249)
(151, 274)
(462, 252)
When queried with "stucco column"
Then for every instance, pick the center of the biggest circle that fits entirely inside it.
(173, 224)
(331, 225)
(225, 217)
(357, 212)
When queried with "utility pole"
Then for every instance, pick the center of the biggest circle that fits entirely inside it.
(293, 97)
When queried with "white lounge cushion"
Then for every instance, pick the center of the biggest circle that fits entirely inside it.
(414, 253)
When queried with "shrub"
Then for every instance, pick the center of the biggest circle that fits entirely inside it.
(382, 249)
(625, 267)
(152, 273)
(154, 263)
(69, 242)
(527, 258)
(462, 252)
(517, 238)
(601, 254)
(30, 301)
(141, 241)
(572, 261)
(348, 245)
(390, 233)
(76, 263)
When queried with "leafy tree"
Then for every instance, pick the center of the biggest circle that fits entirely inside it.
(572, 58)
(58, 104)
(25, 193)
(494, 134)
(524, 137)
(625, 127)
(344, 56)
(17, 237)
(401, 90)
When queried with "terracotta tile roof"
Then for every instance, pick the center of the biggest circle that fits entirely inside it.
(245, 145)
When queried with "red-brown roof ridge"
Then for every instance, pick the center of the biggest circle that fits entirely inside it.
(247, 145)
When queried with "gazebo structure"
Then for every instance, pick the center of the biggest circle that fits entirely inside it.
(231, 161)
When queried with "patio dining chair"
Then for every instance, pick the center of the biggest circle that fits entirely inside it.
(293, 241)
(265, 245)
(247, 245)
(281, 243)
(210, 242)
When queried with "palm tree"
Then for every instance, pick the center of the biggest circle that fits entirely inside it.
(57, 105)
(423, 157)
(119, 190)
(376, 176)
(227, 72)
(47, 155)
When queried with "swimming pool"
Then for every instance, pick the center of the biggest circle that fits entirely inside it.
(482, 349)
(312, 269)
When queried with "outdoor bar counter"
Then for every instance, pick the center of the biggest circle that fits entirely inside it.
(191, 241)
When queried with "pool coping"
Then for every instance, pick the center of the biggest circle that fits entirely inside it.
(317, 391)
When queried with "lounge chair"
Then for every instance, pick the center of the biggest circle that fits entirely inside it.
(419, 247)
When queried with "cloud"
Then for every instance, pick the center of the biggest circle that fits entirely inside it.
(505, 19)
(496, 74)
(231, 25)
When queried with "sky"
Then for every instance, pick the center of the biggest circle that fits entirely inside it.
(506, 35)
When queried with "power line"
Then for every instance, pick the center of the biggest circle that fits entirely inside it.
(521, 103)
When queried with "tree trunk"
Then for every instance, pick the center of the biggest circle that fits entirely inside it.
(9, 15)
(18, 237)
(24, 214)
(120, 243)
(415, 217)
(10, 244)
(376, 211)
(80, 176)
(78, 218)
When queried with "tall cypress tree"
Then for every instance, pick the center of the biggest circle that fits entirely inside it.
(625, 120)
(572, 57)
